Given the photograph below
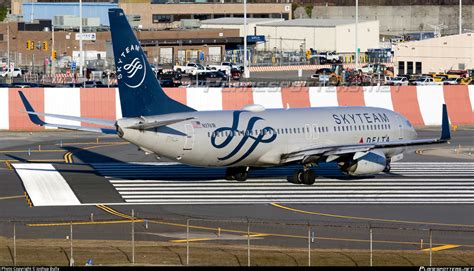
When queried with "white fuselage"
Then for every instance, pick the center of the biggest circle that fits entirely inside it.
(246, 138)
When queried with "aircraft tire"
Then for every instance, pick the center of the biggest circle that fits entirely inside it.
(241, 176)
(309, 177)
(298, 176)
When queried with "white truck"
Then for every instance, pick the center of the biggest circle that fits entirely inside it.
(328, 57)
(191, 68)
(16, 72)
(226, 67)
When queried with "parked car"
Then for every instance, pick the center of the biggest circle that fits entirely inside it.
(373, 68)
(452, 81)
(425, 81)
(16, 72)
(169, 79)
(398, 81)
(156, 69)
(213, 79)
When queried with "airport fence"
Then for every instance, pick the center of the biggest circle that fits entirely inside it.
(143, 239)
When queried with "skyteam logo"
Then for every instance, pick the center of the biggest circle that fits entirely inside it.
(131, 66)
(265, 135)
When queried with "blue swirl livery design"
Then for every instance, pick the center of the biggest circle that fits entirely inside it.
(266, 135)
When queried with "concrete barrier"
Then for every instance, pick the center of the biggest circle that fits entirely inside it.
(421, 105)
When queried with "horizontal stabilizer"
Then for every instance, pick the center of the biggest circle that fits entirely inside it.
(36, 120)
(88, 120)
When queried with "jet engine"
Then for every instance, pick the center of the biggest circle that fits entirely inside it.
(369, 163)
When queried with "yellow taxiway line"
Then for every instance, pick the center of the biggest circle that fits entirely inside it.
(81, 223)
(192, 240)
(441, 248)
(369, 218)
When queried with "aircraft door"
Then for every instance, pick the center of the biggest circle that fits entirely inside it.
(400, 128)
(189, 140)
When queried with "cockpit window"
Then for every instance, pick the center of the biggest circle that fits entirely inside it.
(409, 124)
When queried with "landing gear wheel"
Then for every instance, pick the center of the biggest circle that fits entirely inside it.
(241, 176)
(298, 176)
(302, 176)
(309, 177)
(387, 168)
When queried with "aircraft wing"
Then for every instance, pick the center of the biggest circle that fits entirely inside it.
(331, 153)
(36, 120)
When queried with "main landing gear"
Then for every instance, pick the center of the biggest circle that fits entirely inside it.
(387, 167)
(303, 176)
(239, 174)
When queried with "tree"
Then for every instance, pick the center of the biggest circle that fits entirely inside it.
(3, 13)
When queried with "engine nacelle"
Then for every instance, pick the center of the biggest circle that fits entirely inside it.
(371, 163)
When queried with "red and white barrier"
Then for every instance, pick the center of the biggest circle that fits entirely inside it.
(302, 67)
(421, 105)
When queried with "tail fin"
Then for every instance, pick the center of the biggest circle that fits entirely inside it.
(140, 91)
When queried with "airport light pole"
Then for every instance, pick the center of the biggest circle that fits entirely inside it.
(52, 50)
(460, 17)
(8, 52)
(356, 34)
(81, 57)
(246, 71)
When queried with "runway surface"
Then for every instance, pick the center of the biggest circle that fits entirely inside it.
(423, 191)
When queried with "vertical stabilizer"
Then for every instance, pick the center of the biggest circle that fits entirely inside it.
(140, 91)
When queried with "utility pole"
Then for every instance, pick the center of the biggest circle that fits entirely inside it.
(81, 57)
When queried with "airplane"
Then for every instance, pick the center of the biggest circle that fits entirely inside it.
(361, 140)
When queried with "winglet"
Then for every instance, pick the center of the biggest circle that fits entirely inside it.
(34, 118)
(445, 131)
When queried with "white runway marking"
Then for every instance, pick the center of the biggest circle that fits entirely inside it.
(45, 186)
(408, 183)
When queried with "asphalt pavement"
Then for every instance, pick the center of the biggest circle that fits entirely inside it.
(89, 165)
